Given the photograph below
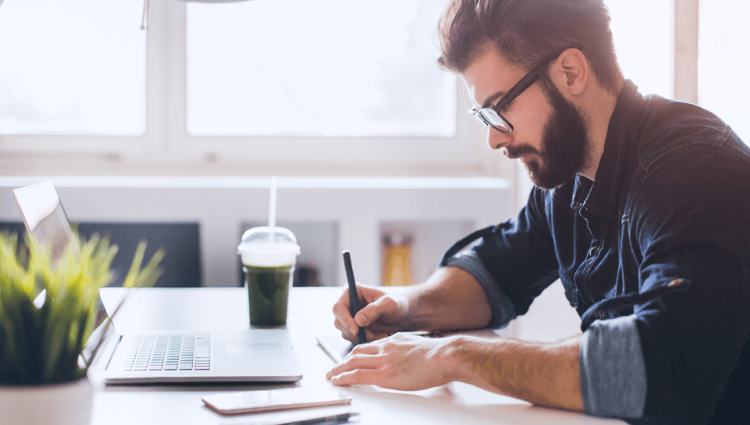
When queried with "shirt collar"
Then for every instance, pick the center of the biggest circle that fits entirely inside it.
(601, 196)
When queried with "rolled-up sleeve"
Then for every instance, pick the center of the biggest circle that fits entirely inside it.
(613, 373)
(503, 310)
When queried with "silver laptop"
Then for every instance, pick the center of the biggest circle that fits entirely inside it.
(253, 355)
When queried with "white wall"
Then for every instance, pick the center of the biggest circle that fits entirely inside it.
(222, 204)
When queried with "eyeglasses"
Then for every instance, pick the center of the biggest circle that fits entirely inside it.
(492, 117)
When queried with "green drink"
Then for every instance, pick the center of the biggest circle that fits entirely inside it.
(268, 294)
(268, 256)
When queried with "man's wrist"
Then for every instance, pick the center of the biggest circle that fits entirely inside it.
(454, 358)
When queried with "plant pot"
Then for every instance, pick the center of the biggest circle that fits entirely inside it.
(57, 404)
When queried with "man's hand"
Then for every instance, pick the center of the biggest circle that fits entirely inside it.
(381, 314)
(401, 362)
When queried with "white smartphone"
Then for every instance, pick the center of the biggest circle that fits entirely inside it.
(274, 400)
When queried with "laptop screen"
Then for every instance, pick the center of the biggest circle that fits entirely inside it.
(44, 216)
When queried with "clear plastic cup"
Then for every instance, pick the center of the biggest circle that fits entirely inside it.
(269, 255)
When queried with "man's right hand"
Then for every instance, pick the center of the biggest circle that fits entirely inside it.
(381, 314)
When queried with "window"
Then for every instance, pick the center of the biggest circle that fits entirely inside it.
(317, 68)
(723, 60)
(74, 67)
(644, 42)
(298, 86)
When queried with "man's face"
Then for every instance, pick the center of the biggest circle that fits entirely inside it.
(549, 135)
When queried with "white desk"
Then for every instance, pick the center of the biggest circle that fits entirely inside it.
(310, 315)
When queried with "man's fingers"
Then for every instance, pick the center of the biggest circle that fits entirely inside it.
(358, 377)
(353, 362)
(373, 311)
(341, 311)
(345, 333)
(374, 336)
(366, 349)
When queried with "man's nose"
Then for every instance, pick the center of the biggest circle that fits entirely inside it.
(497, 139)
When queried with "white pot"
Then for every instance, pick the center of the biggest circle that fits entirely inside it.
(58, 404)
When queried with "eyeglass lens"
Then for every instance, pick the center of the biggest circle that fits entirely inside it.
(492, 118)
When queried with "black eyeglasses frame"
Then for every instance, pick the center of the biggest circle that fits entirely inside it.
(530, 78)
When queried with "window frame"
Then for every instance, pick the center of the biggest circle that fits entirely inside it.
(166, 140)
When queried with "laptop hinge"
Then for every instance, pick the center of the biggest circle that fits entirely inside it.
(102, 360)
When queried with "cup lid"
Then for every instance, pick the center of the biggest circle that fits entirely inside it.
(268, 246)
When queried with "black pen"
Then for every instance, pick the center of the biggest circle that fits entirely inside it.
(353, 295)
(334, 419)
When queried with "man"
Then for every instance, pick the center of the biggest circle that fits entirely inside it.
(641, 208)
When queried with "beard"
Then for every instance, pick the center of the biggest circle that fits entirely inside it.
(565, 144)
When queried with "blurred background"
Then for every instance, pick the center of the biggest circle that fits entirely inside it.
(170, 133)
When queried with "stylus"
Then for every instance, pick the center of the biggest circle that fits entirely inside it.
(335, 419)
(353, 295)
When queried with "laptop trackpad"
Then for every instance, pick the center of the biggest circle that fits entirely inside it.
(254, 351)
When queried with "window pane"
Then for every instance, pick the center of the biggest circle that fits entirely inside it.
(72, 67)
(723, 60)
(643, 32)
(317, 68)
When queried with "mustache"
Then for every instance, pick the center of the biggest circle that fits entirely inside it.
(514, 152)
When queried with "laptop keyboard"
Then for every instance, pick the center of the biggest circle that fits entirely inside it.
(156, 353)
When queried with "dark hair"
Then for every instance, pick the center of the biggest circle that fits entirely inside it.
(527, 31)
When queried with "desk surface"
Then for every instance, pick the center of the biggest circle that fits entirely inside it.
(309, 316)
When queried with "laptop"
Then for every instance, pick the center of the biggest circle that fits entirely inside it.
(252, 355)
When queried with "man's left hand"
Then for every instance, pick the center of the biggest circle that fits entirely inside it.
(400, 362)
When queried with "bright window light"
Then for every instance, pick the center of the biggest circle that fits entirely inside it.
(317, 68)
(72, 67)
(644, 32)
(723, 60)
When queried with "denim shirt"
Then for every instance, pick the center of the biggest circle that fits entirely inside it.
(659, 245)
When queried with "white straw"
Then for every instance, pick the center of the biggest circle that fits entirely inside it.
(272, 204)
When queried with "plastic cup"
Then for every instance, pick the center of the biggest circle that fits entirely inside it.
(269, 255)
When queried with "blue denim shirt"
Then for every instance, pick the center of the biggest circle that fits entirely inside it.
(670, 204)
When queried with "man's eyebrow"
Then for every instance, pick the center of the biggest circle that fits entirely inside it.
(492, 99)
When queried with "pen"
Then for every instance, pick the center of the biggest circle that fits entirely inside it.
(353, 295)
(335, 419)
(325, 420)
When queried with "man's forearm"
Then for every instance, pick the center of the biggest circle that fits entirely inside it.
(544, 374)
(451, 299)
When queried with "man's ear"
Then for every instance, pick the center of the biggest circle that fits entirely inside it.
(570, 72)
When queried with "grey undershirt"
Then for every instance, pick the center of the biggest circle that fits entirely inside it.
(613, 372)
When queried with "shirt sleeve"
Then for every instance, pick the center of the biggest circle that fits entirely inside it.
(519, 258)
(613, 372)
(503, 310)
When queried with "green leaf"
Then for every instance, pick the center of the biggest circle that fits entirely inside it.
(42, 345)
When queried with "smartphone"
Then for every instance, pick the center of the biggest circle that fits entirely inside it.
(274, 400)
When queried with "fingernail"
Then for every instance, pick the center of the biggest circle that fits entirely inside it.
(354, 331)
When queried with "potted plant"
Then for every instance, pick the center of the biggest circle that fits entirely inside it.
(48, 310)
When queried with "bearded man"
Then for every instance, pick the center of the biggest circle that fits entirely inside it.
(641, 207)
